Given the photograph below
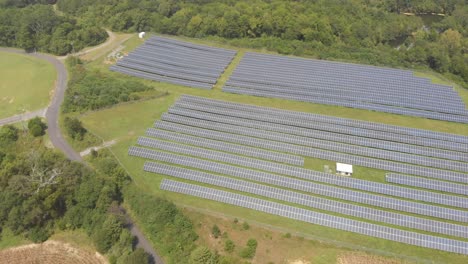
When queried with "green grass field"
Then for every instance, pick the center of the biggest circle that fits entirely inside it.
(125, 123)
(26, 83)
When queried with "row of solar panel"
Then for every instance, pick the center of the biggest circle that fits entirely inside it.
(172, 61)
(210, 56)
(327, 119)
(334, 91)
(192, 63)
(305, 145)
(289, 170)
(228, 147)
(321, 144)
(337, 128)
(191, 45)
(172, 74)
(316, 153)
(311, 72)
(307, 186)
(331, 221)
(305, 76)
(160, 78)
(318, 134)
(294, 76)
(324, 87)
(366, 106)
(329, 65)
(202, 59)
(443, 186)
(310, 201)
(165, 66)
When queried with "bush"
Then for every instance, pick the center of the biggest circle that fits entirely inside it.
(36, 127)
(8, 134)
(250, 250)
(201, 255)
(215, 231)
(139, 256)
(229, 246)
(246, 226)
(74, 128)
(107, 234)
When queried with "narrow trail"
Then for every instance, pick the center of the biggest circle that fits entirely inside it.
(23, 117)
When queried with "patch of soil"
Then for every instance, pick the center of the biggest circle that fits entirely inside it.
(49, 252)
(358, 258)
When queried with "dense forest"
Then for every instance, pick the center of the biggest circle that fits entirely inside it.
(41, 192)
(37, 27)
(359, 30)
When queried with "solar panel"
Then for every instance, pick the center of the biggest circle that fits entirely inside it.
(331, 191)
(331, 221)
(310, 201)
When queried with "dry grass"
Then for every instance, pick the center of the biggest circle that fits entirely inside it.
(49, 252)
(359, 258)
(274, 246)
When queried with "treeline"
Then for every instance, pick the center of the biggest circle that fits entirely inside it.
(41, 191)
(38, 28)
(91, 90)
(361, 30)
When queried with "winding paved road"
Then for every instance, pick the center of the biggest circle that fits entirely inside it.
(59, 142)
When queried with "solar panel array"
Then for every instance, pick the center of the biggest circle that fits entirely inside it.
(259, 151)
(317, 143)
(343, 84)
(328, 119)
(322, 219)
(369, 186)
(310, 201)
(227, 147)
(182, 63)
(449, 187)
(321, 189)
(311, 152)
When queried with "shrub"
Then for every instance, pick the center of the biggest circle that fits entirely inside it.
(36, 127)
(139, 256)
(74, 128)
(246, 226)
(215, 231)
(8, 134)
(249, 251)
(229, 246)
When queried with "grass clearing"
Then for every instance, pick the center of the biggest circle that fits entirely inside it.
(127, 122)
(26, 83)
(274, 246)
(8, 239)
(149, 183)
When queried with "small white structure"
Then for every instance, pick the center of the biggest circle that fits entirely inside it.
(141, 35)
(344, 169)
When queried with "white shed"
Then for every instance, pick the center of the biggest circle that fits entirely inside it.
(141, 35)
(344, 169)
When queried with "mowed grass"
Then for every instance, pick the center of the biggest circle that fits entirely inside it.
(25, 83)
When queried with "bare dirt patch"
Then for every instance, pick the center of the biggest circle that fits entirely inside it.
(358, 258)
(49, 252)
